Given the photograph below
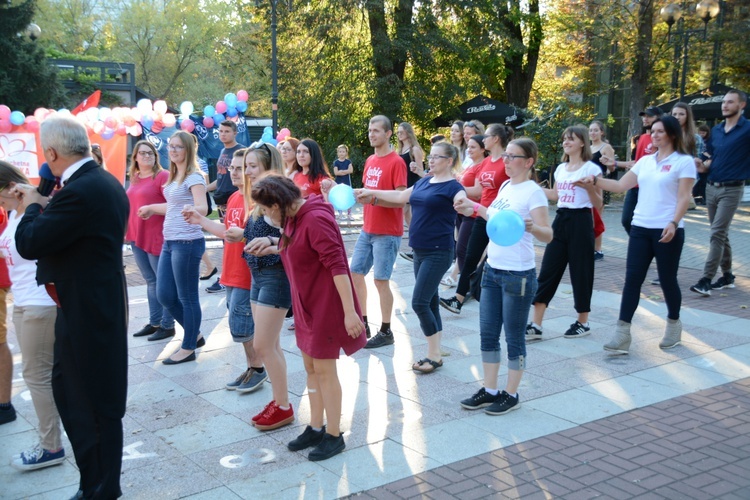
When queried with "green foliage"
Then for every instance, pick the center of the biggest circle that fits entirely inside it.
(26, 80)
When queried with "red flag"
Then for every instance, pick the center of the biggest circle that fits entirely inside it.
(91, 101)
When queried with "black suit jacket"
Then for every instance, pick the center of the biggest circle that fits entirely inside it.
(77, 241)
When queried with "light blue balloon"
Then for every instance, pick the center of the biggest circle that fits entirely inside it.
(341, 197)
(268, 129)
(242, 106)
(17, 118)
(505, 228)
(231, 99)
(209, 111)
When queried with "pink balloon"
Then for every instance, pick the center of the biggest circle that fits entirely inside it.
(31, 124)
(5, 126)
(99, 127)
(160, 107)
(221, 107)
(157, 127)
(285, 131)
(242, 95)
(40, 114)
(4, 112)
(110, 122)
(121, 130)
(187, 125)
(208, 122)
(281, 136)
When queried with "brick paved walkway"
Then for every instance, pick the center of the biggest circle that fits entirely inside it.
(693, 446)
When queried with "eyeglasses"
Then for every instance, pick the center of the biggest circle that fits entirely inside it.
(437, 157)
(507, 157)
(147, 154)
(175, 148)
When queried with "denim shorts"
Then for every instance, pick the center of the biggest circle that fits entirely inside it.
(375, 250)
(241, 324)
(270, 288)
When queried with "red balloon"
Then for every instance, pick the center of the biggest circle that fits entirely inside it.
(187, 125)
(121, 130)
(157, 127)
(5, 126)
(208, 122)
(4, 112)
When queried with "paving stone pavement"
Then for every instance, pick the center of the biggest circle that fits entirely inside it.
(654, 424)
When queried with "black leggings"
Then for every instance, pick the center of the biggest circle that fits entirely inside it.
(478, 241)
(643, 246)
(572, 245)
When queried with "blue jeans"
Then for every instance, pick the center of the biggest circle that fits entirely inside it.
(375, 250)
(177, 285)
(643, 246)
(241, 323)
(505, 304)
(271, 288)
(429, 267)
(147, 265)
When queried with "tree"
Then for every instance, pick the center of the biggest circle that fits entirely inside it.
(26, 80)
(77, 27)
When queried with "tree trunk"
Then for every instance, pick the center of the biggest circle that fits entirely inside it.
(521, 60)
(389, 57)
(642, 64)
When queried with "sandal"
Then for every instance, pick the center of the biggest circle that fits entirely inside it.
(430, 367)
(448, 281)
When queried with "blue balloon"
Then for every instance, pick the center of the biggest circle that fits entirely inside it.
(341, 197)
(209, 111)
(242, 106)
(147, 121)
(505, 228)
(268, 129)
(218, 118)
(109, 133)
(17, 118)
(231, 111)
(230, 99)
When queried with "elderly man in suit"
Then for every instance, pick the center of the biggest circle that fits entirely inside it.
(76, 237)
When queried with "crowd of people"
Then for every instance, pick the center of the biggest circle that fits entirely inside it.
(283, 252)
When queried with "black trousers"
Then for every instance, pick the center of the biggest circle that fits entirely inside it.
(572, 245)
(478, 241)
(96, 438)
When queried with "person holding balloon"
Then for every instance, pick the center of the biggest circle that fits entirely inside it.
(518, 213)
(573, 242)
(431, 237)
(342, 169)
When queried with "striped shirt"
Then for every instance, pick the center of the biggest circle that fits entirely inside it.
(179, 195)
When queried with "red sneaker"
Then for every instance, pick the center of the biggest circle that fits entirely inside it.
(263, 411)
(274, 417)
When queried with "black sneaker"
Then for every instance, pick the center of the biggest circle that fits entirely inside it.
(480, 399)
(308, 438)
(146, 330)
(533, 333)
(703, 287)
(328, 447)
(598, 255)
(577, 330)
(407, 255)
(452, 304)
(504, 404)
(8, 415)
(216, 287)
(656, 282)
(367, 331)
(380, 339)
(726, 281)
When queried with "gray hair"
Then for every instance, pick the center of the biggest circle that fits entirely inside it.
(65, 135)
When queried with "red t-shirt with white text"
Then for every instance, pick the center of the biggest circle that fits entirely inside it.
(384, 173)
(235, 271)
(491, 176)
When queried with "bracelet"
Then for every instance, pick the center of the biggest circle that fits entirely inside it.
(476, 208)
(676, 226)
(374, 201)
(269, 239)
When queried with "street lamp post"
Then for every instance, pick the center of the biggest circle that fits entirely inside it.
(671, 14)
(274, 69)
(33, 31)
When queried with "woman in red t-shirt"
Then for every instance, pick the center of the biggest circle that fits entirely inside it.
(489, 179)
(313, 176)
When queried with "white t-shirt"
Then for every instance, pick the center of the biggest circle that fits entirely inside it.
(177, 196)
(22, 272)
(570, 196)
(522, 198)
(659, 184)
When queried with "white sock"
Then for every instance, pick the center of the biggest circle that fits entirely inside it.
(316, 429)
(493, 392)
(539, 327)
(285, 408)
